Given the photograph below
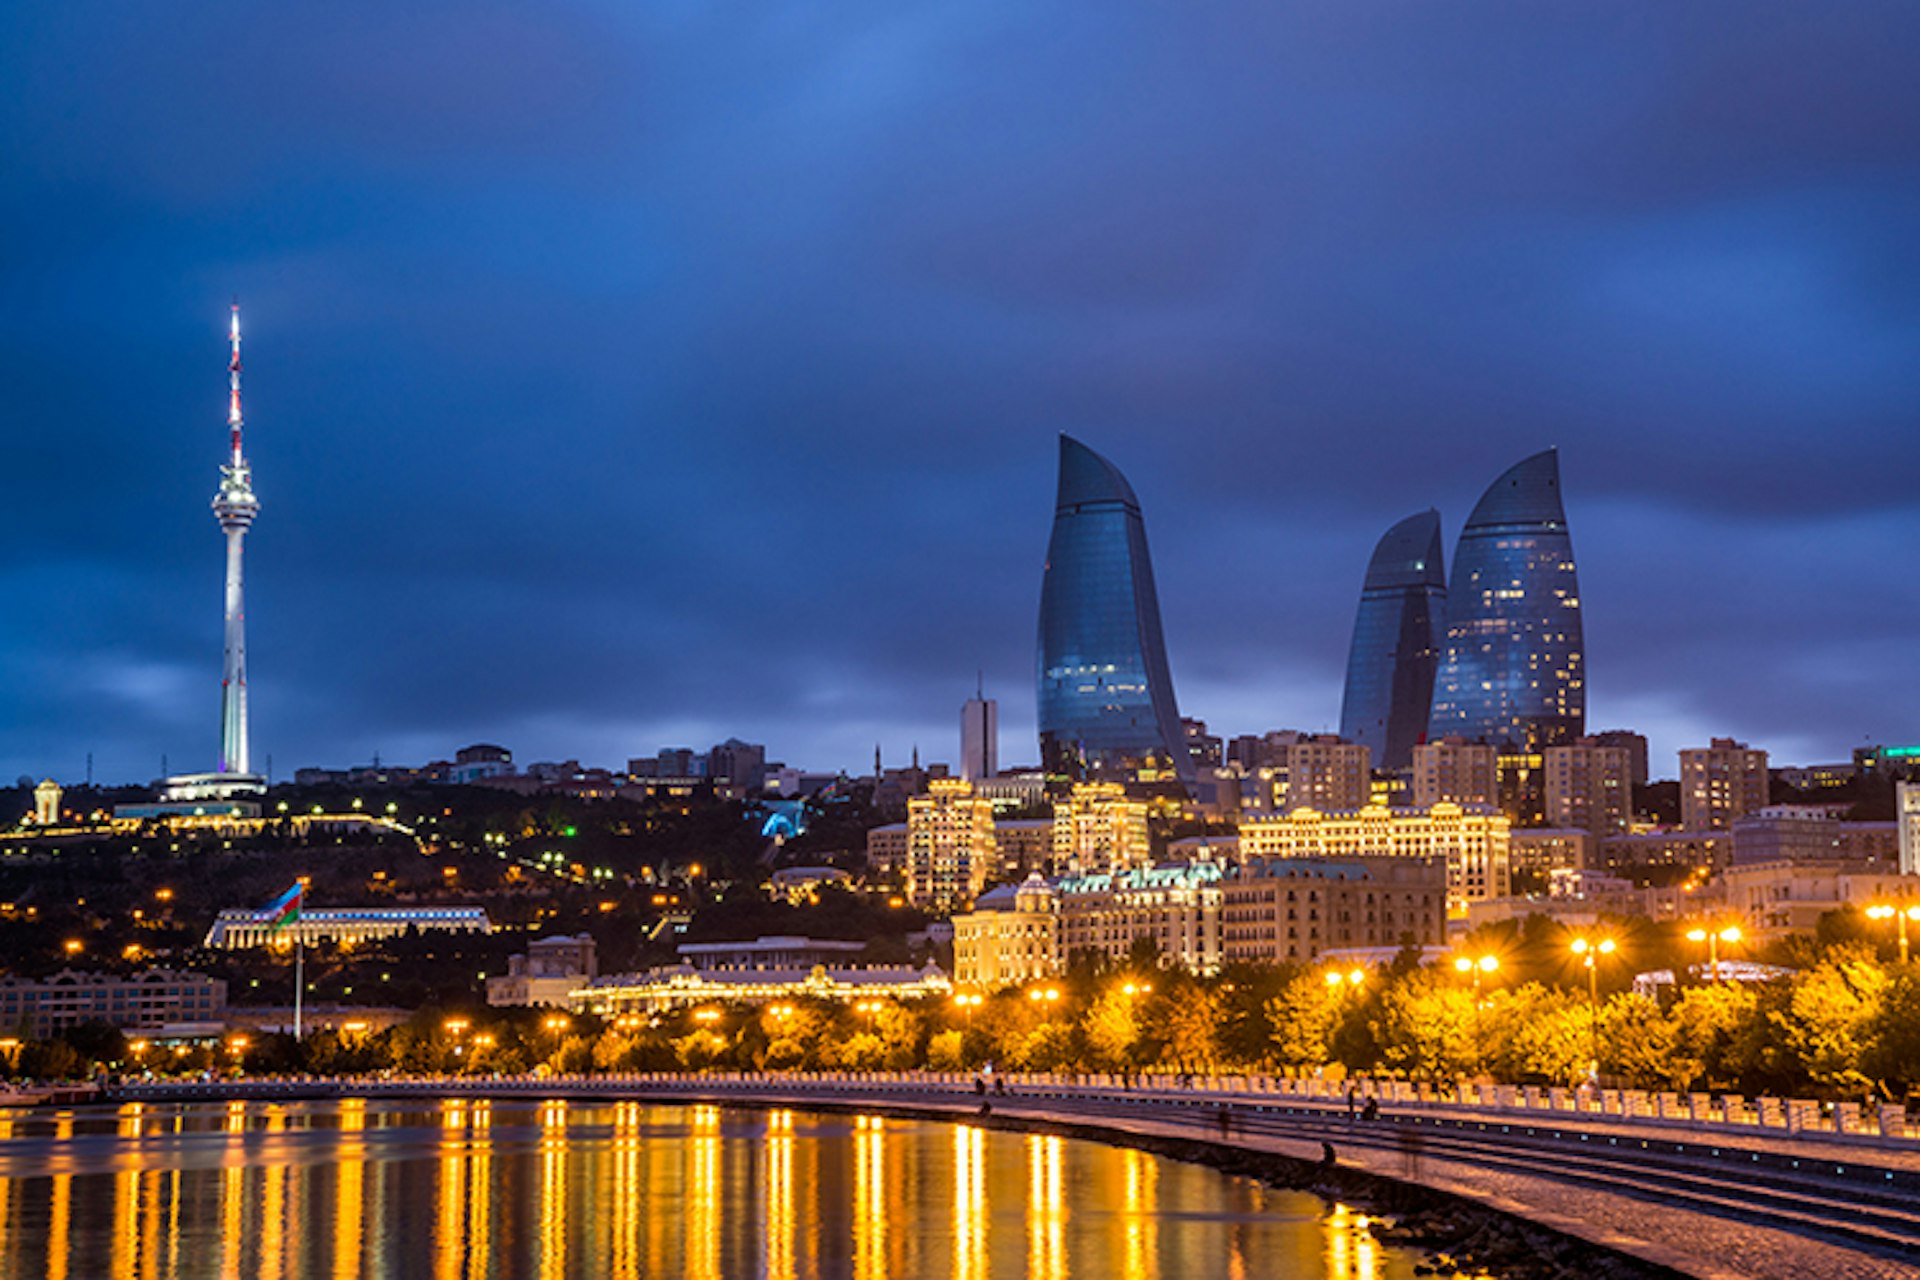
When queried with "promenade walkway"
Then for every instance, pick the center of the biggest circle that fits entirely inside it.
(1723, 1191)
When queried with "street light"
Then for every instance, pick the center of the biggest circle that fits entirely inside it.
(1591, 950)
(1044, 995)
(1900, 915)
(1137, 989)
(1474, 967)
(1352, 978)
(1713, 938)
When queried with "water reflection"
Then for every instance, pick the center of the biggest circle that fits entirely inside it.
(472, 1190)
(870, 1198)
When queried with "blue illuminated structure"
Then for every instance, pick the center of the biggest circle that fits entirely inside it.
(1106, 703)
(1397, 637)
(1513, 670)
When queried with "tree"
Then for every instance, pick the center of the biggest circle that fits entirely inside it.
(1892, 1055)
(1113, 1028)
(1537, 1033)
(1831, 1017)
(1640, 1044)
(1424, 1026)
(1303, 1017)
(1707, 1028)
(1192, 1025)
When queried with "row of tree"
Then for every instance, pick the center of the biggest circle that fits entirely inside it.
(1848, 1024)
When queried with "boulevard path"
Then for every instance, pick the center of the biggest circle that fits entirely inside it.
(1720, 1201)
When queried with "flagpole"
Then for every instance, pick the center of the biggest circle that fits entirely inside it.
(299, 980)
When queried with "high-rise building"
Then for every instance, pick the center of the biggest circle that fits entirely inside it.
(737, 768)
(1317, 771)
(1455, 771)
(1106, 704)
(1513, 670)
(1635, 745)
(951, 850)
(1396, 642)
(1205, 750)
(1720, 782)
(979, 738)
(1589, 786)
(1097, 826)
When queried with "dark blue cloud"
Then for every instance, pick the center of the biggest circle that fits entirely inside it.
(621, 375)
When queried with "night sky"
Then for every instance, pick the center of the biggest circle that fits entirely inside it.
(642, 374)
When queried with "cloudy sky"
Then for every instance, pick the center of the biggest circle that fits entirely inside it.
(635, 374)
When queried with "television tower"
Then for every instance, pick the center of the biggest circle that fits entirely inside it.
(235, 507)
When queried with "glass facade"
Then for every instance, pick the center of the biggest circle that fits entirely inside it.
(1106, 699)
(1397, 637)
(1514, 668)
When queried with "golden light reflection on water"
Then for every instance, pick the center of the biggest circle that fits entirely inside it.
(779, 1184)
(350, 1190)
(628, 1191)
(702, 1243)
(1140, 1178)
(869, 1198)
(470, 1190)
(969, 1203)
(1352, 1253)
(553, 1191)
(1046, 1209)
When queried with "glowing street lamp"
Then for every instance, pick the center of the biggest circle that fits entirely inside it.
(1137, 989)
(1591, 950)
(1713, 938)
(1474, 967)
(1352, 978)
(1900, 913)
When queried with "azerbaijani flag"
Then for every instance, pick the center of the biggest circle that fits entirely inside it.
(285, 909)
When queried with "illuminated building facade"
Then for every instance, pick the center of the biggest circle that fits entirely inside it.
(1396, 642)
(1719, 783)
(1098, 827)
(1473, 843)
(235, 930)
(1011, 936)
(1177, 906)
(149, 1001)
(1513, 669)
(1289, 910)
(678, 986)
(951, 849)
(1106, 704)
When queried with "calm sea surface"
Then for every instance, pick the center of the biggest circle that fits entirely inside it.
(463, 1190)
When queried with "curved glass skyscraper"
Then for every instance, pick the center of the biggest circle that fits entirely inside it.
(1106, 699)
(1396, 643)
(1513, 671)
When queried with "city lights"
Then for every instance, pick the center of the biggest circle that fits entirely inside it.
(1730, 934)
(1899, 914)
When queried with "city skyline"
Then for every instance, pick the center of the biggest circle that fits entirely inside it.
(572, 450)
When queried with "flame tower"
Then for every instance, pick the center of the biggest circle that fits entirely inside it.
(235, 507)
